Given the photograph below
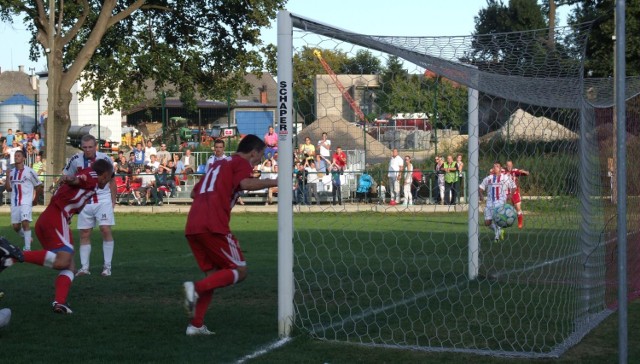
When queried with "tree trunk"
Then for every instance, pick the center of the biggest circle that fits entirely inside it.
(552, 23)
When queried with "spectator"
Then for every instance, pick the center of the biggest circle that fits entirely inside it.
(340, 159)
(271, 140)
(139, 155)
(10, 137)
(336, 184)
(163, 155)
(439, 170)
(395, 174)
(365, 187)
(38, 167)
(300, 185)
(149, 150)
(165, 178)
(459, 183)
(37, 142)
(307, 150)
(321, 165)
(188, 161)
(12, 152)
(408, 180)
(153, 163)
(267, 171)
(450, 180)
(324, 146)
(218, 151)
(312, 182)
(148, 187)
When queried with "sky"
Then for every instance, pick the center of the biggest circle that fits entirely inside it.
(377, 17)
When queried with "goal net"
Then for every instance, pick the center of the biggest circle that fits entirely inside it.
(404, 259)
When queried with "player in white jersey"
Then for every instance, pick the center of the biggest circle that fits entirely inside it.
(25, 186)
(98, 211)
(499, 187)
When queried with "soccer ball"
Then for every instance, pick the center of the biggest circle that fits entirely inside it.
(504, 216)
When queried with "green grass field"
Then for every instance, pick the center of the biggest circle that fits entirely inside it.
(137, 316)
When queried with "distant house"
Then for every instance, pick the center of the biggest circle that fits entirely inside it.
(85, 114)
(18, 101)
(250, 114)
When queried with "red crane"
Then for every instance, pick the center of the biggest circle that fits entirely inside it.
(343, 90)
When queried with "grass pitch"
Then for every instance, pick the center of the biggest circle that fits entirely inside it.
(136, 315)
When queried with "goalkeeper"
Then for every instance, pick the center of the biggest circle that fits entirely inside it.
(498, 186)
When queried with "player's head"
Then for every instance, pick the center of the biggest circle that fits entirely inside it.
(509, 165)
(104, 170)
(497, 168)
(88, 144)
(251, 148)
(218, 147)
(19, 157)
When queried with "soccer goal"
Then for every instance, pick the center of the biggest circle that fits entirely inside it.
(423, 272)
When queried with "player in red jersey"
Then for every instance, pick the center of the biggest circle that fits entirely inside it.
(214, 247)
(515, 197)
(54, 233)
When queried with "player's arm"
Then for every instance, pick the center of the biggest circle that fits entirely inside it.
(252, 184)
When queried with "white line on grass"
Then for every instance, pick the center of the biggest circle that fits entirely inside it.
(264, 350)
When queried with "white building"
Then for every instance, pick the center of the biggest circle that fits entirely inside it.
(85, 112)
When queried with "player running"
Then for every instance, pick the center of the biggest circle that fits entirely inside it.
(498, 186)
(54, 233)
(515, 195)
(215, 248)
(25, 186)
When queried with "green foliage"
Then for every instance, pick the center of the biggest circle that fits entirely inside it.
(600, 47)
(305, 68)
(364, 63)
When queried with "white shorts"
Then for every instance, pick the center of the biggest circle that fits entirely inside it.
(488, 210)
(21, 213)
(96, 214)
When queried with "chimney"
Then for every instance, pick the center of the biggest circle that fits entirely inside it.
(21, 68)
(263, 95)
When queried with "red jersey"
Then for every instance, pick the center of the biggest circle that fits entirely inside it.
(340, 159)
(216, 194)
(71, 199)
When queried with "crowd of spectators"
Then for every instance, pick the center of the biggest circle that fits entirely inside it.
(32, 146)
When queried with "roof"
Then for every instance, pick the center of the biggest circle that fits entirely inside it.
(15, 82)
(18, 99)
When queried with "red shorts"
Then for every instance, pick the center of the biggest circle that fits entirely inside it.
(53, 231)
(216, 251)
(515, 198)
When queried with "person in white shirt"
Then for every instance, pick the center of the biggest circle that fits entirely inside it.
(395, 174)
(12, 152)
(153, 163)
(499, 187)
(324, 145)
(148, 151)
(98, 210)
(312, 182)
(408, 180)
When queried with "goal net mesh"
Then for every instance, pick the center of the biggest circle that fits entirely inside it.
(397, 275)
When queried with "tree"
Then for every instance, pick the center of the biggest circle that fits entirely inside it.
(364, 63)
(117, 46)
(600, 46)
(305, 68)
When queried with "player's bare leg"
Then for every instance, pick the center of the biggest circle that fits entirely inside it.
(520, 215)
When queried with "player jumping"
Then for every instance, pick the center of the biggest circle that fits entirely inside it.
(515, 195)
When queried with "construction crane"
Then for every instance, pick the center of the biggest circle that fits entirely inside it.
(343, 90)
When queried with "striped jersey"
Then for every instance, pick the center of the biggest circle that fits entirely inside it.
(79, 162)
(23, 184)
(497, 187)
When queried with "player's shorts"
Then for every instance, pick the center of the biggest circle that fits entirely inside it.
(96, 214)
(53, 231)
(515, 198)
(21, 213)
(216, 251)
(488, 210)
